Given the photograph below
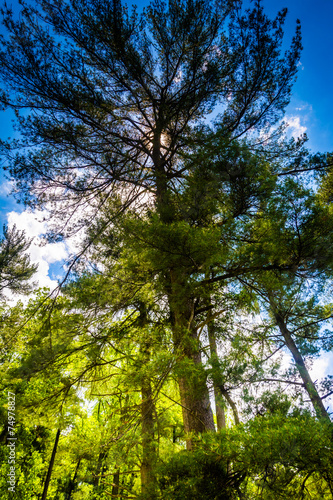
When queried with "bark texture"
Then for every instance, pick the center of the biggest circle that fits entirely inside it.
(194, 395)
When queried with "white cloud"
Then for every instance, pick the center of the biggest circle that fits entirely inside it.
(34, 225)
(305, 107)
(322, 366)
(6, 187)
(30, 222)
(294, 126)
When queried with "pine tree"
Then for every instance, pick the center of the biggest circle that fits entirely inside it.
(15, 267)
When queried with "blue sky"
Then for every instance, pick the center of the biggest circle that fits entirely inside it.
(312, 94)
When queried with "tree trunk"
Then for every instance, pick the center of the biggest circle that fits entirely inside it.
(147, 414)
(148, 443)
(194, 395)
(72, 481)
(305, 376)
(220, 414)
(219, 389)
(49, 472)
(194, 398)
(99, 471)
(231, 403)
(115, 484)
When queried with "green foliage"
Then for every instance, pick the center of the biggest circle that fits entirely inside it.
(15, 267)
(192, 231)
(267, 458)
(195, 475)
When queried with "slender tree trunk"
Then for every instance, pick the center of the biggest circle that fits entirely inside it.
(115, 484)
(231, 403)
(220, 414)
(147, 413)
(305, 376)
(148, 443)
(98, 473)
(49, 472)
(72, 481)
(219, 389)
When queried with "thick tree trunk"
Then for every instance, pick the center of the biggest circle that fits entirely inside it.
(194, 395)
(49, 472)
(305, 376)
